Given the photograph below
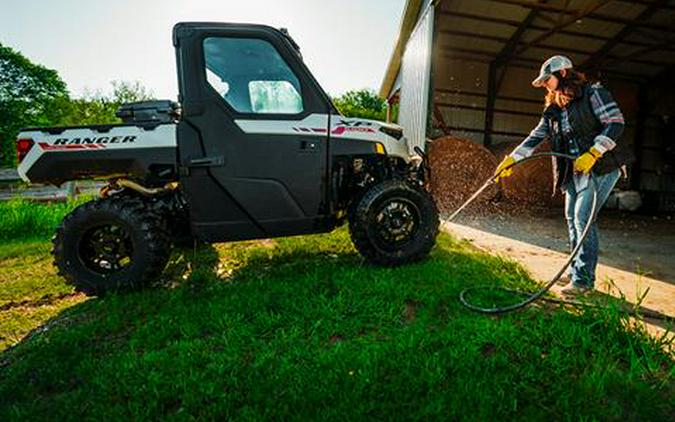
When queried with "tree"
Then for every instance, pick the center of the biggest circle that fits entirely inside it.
(100, 108)
(30, 94)
(362, 103)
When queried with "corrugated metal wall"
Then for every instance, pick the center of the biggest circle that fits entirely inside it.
(415, 81)
(460, 96)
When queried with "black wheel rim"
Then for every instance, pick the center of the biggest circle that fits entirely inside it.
(396, 223)
(106, 249)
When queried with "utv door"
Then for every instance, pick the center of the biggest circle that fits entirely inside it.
(253, 141)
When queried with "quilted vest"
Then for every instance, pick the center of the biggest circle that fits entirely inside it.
(585, 127)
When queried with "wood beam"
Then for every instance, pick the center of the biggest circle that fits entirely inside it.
(484, 57)
(440, 121)
(483, 53)
(478, 130)
(539, 6)
(535, 27)
(505, 56)
(596, 59)
(575, 17)
(548, 19)
(647, 3)
(484, 95)
(653, 38)
(593, 15)
(491, 55)
(478, 108)
(632, 57)
(505, 40)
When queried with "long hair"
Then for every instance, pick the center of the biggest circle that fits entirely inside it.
(569, 87)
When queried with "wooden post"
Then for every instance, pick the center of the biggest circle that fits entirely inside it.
(71, 190)
(639, 137)
(490, 104)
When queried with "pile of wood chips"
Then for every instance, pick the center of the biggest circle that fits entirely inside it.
(459, 167)
(531, 183)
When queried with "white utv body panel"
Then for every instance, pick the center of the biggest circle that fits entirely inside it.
(340, 127)
(119, 142)
(61, 154)
(372, 130)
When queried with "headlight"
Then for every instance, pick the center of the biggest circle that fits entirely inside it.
(395, 133)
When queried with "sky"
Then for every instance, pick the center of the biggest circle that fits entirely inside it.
(345, 43)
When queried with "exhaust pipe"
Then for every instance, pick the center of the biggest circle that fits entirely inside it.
(126, 183)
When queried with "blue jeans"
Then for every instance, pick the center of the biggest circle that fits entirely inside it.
(578, 204)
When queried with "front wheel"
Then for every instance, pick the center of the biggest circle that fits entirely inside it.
(394, 223)
(111, 244)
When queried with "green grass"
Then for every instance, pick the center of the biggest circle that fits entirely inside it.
(301, 329)
(21, 219)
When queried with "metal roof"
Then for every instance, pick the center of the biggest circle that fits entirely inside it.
(626, 39)
(410, 13)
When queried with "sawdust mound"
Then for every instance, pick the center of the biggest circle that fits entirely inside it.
(531, 183)
(459, 167)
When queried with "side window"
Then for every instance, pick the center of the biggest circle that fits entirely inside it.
(251, 76)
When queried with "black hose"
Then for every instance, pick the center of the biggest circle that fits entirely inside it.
(532, 297)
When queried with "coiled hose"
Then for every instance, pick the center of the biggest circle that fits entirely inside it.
(532, 297)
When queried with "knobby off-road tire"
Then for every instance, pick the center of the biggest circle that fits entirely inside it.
(114, 244)
(394, 223)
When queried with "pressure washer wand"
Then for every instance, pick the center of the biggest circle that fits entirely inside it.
(490, 182)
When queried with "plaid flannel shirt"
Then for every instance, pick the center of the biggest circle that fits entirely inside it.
(605, 109)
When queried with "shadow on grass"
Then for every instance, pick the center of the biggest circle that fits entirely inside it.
(303, 328)
(270, 279)
(201, 274)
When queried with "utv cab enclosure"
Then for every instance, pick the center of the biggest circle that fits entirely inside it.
(254, 148)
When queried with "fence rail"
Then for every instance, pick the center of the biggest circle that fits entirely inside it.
(12, 187)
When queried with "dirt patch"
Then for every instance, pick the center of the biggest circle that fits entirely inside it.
(43, 301)
(488, 349)
(268, 243)
(411, 308)
(335, 338)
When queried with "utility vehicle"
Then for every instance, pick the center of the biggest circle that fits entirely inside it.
(253, 149)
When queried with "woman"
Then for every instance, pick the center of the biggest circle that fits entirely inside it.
(581, 120)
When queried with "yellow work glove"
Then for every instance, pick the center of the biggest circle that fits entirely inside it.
(502, 170)
(587, 160)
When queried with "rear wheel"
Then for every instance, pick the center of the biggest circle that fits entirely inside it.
(112, 244)
(394, 223)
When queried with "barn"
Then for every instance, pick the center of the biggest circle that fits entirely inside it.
(464, 67)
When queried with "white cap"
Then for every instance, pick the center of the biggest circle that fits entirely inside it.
(551, 65)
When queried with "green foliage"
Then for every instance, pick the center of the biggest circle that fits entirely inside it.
(100, 108)
(301, 329)
(362, 103)
(22, 219)
(30, 95)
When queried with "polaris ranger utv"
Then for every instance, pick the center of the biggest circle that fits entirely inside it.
(255, 150)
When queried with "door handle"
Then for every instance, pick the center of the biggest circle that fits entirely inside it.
(207, 161)
(309, 146)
